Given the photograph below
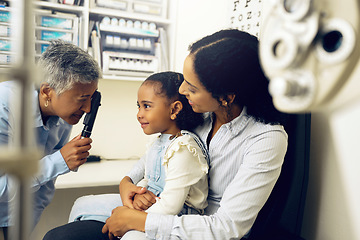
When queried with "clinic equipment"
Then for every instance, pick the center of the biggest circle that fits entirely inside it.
(90, 117)
(308, 50)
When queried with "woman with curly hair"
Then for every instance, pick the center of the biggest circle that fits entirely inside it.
(242, 131)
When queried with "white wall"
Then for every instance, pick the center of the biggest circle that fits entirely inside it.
(196, 19)
(332, 207)
(117, 133)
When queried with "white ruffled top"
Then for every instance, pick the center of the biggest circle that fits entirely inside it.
(186, 178)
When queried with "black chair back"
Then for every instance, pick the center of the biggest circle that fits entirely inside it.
(282, 215)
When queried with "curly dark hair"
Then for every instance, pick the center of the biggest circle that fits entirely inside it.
(227, 62)
(167, 84)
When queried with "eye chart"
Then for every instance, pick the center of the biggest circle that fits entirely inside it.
(245, 15)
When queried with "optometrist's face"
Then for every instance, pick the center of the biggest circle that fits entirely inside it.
(73, 103)
(199, 98)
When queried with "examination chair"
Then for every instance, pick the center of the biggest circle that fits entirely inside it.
(281, 217)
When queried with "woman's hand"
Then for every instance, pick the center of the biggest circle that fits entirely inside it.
(144, 201)
(128, 190)
(122, 220)
(76, 151)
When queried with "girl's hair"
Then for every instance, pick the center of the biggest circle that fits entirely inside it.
(64, 64)
(227, 62)
(167, 84)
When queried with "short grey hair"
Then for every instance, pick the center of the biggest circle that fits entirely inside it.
(63, 64)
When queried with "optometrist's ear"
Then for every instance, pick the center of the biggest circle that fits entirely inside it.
(308, 52)
(45, 90)
(175, 108)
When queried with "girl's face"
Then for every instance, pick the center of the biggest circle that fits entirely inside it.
(71, 104)
(154, 113)
(199, 98)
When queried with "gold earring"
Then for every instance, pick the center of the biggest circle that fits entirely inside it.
(225, 104)
(173, 117)
(47, 103)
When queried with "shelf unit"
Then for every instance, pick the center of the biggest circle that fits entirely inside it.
(119, 61)
(145, 48)
(51, 25)
(133, 52)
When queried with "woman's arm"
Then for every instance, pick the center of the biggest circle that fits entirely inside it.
(124, 219)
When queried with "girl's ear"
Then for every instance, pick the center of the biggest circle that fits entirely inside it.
(175, 107)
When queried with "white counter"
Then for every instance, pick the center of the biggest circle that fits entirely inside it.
(95, 174)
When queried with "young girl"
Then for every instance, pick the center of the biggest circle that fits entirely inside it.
(175, 165)
(174, 168)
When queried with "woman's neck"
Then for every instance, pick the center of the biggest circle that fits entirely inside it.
(223, 116)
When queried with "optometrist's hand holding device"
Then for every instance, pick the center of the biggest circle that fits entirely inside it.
(308, 50)
(90, 117)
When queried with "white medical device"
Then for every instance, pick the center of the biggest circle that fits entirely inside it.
(308, 50)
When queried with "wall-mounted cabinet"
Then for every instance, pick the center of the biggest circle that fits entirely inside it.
(129, 38)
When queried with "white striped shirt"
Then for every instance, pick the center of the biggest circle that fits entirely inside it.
(245, 161)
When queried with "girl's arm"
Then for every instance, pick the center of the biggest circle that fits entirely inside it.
(183, 170)
(127, 188)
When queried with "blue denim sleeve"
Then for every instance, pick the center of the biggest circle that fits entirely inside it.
(138, 171)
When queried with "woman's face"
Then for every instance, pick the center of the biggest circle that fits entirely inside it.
(73, 103)
(199, 98)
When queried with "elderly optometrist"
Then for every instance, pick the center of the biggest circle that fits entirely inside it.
(70, 79)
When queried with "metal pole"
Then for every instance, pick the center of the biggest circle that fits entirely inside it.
(21, 160)
(27, 134)
(24, 73)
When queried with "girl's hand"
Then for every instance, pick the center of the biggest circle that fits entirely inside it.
(128, 190)
(76, 151)
(122, 220)
(144, 201)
